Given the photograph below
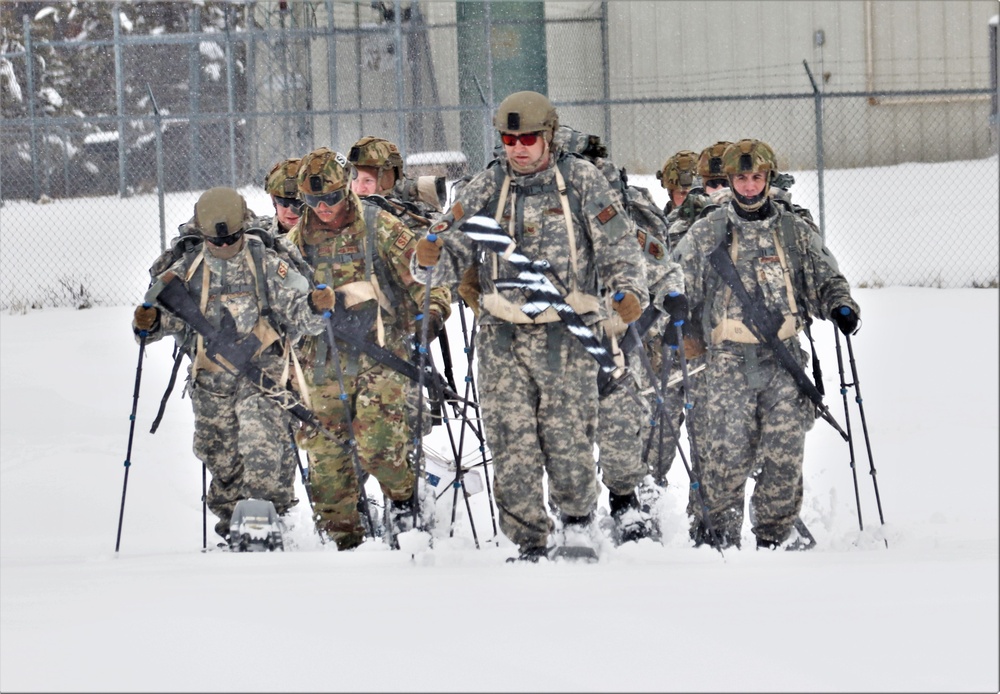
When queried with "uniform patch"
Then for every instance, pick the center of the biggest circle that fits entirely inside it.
(457, 211)
(403, 239)
(769, 259)
(349, 249)
(607, 214)
(656, 250)
(439, 227)
(408, 253)
(282, 269)
(641, 235)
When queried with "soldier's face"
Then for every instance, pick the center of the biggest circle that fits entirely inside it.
(525, 159)
(749, 185)
(288, 215)
(366, 182)
(335, 217)
(678, 196)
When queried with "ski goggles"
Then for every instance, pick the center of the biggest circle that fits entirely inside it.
(294, 203)
(526, 139)
(330, 199)
(226, 240)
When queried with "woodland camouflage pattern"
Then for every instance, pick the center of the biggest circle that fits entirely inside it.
(755, 416)
(241, 435)
(380, 398)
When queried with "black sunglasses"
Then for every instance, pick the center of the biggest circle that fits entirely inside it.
(330, 199)
(294, 203)
(227, 240)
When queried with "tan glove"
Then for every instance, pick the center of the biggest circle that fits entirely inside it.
(628, 307)
(469, 288)
(429, 251)
(321, 299)
(145, 318)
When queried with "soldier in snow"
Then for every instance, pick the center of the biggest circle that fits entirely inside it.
(756, 414)
(538, 383)
(363, 252)
(240, 434)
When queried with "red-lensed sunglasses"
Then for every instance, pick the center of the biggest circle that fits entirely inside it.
(526, 139)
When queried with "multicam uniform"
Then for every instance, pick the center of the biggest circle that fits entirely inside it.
(241, 435)
(754, 416)
(362, 264)
(538, 385)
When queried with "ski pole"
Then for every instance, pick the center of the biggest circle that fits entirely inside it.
(847, 420)
(204, 506)
(418, 435)
(864, 428)
(694, 476)
(352, 443)
(471, 393)
(131, 427)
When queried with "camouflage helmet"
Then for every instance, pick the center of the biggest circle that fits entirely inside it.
(220, 212)
(324, 171)
(281, 179)
(377, 153)
(679, 170)
(710, 161)
(748, 156)
(526, 112)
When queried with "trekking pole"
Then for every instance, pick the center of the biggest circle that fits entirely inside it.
(469, 337)
(352, 443)
(693, 475)
(131, 428)
(418, 434)
(864, 428)
(847, 420)
(204, 506)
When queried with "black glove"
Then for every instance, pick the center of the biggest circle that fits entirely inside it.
(435, 323)
(846, 319)
(676, 305)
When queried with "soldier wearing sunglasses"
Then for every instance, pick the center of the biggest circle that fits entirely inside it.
(538, 383)
(363, 252)
(240, 434)
(281, 185)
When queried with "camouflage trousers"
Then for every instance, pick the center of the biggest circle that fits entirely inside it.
(754, 424)
(244, 440)
(666, 435)
(538, 392)
(382, 416)
(623, 428)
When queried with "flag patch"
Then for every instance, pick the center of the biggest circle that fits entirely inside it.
(607, 214)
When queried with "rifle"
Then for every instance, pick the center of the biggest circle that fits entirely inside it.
(764, 324)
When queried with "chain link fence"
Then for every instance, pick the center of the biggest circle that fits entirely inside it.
(90, 191)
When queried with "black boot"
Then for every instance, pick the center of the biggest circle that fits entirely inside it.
(631, 524)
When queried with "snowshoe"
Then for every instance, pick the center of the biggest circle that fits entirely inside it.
(629, 522)
(578, 542)
(530, 554)
(255, 527)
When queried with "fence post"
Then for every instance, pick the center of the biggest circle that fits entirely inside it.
(820, 164)
(398, 61)
(230, 98)
(159, 169)
(194, 90)
(606, 75)
(29, 60)
(120, 98)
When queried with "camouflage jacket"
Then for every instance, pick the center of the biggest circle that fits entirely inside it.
(817, 286)
(234, 286)
(608, 258)
(344, 257)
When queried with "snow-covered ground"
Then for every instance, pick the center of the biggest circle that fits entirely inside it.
(161, 615)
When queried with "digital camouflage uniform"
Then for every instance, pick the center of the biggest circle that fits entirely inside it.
(241, 435)
(381, 399)
(754, 416)
(538, 385)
